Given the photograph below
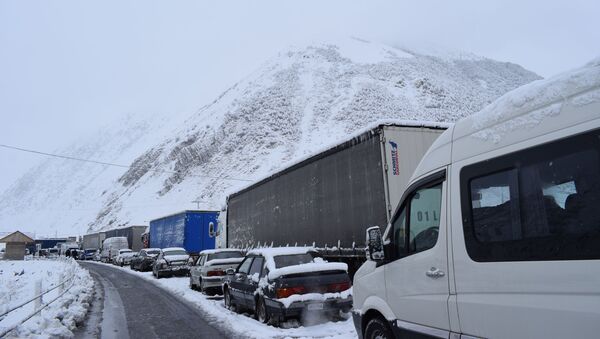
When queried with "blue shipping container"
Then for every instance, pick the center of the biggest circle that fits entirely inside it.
(187, 229)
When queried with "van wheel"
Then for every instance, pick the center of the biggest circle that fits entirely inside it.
(377, 329)
(261, 311)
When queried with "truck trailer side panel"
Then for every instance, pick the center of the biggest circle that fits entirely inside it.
(189, 229)
(329, 199)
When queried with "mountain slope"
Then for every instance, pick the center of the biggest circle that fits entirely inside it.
(295, 104)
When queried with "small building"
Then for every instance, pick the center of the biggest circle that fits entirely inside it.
(15, 245)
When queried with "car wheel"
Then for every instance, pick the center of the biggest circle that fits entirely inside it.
(229, 304)
(377, 329)
(201, 286)
(192, 286)
(261, 311)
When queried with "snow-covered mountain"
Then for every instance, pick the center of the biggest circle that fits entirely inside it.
(298, 102)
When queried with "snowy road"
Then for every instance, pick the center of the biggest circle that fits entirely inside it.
(136, 308)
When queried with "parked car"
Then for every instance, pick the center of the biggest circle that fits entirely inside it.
(497, 234)
(285, 282)
(124, 257)
(111, 247)
(89, 253)
(144, 259)
(53, 253)
(171, 261)
(209, 271)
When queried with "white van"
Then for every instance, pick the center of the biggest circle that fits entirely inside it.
(111, 247)
(498, 233)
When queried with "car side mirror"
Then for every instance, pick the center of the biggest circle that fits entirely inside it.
(212, 232)
(230, 271)
(375, 244)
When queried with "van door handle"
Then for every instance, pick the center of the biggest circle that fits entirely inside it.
(435, 273)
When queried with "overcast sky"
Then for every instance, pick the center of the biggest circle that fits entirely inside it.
(67, 67)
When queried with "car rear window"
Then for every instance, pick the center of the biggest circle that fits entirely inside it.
(225, 255)
(292, 259)
(175, 252)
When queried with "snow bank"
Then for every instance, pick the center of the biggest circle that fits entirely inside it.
(18, 280)
(244, 325)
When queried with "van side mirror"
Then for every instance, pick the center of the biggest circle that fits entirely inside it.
(212, 232)
(375, 244)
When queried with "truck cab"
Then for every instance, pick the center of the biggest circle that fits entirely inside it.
(496, 234)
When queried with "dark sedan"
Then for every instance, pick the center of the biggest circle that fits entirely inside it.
(144, 259)
(281, 283)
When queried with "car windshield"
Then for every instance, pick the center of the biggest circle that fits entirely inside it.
(153, 252)
(175, 252)
(90, 251)
(224, 255)
(292, 259)
(126, 251)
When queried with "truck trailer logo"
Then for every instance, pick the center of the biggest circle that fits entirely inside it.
(395, 162)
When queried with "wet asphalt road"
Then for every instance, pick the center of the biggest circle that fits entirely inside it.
(135, 308)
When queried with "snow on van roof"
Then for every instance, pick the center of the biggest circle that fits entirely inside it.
(545, 95)
(220, 250)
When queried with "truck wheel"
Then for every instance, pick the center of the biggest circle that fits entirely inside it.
(377, 329)
(261, 311)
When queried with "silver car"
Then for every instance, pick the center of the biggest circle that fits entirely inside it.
(208, 272)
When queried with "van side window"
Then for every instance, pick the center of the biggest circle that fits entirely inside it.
(545, 206)
(495, 204)
(424, 207)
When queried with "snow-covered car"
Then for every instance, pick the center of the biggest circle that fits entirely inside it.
(171, 261)
(287, 282)
(124, 257)
(144, 259)
(209, 271)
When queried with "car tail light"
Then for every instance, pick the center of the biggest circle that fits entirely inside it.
(215, 273)
(338, 287)
(288, 291)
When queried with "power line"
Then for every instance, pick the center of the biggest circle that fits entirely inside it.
(113, 164)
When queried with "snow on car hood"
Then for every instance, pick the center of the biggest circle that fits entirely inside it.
(215, 262)
(307, 268)
(176, 257)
